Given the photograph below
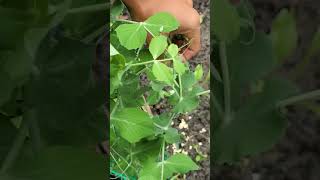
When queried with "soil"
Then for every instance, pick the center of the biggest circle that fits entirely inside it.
(196, 136)
(297, 155)
(199, 124)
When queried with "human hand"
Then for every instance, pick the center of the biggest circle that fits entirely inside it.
(183, 10)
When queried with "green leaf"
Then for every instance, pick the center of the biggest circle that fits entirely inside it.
(62, 162)
(161, 22)
(14, 24)
(133, 124)
(284, 35)
(147, 150)
(116, 10)
(187, 104)
(113, 51)
(65, 90)
(162, 72)
(198, 73)
(255, 126)
(226, 23)
(32, 39)
(157, 46)
(188, 81)
(178, 65)
(131, 36)
(178, 163)
(153, 98)
(315, 44)
(130, 91)
(172, 136)
(157, 86)
(241, 59)
(173, 50)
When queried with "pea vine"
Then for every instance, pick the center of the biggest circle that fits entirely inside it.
(248, 96)
(138, 137)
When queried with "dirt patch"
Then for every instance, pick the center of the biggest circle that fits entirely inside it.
(198, 145)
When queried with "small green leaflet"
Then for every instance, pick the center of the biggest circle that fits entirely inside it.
(113, 51)
(284, 35)
(153, 98)
(198, 73)
(178, 65)
(178, 163)
(133, 124)
(162, 72)
(172, 135)
(226, 25)
(158, 45)
(173, 50)
(131, 36)
(161, 22)
(187, 104)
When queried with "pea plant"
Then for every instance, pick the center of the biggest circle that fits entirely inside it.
(51, 101)
(138, 137)
(249, 98)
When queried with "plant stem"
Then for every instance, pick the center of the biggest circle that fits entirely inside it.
(115, 108)
(226, 80)
(127, 21)
(94, 34)
(15, 149)
(30, 118)
(302, 97)
(148, 31)
(203, 92)
(180, 87)
(162, 158)
(217, 105)
(147, 107)
(88, 9)
(149, 62)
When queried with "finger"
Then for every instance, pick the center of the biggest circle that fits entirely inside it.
(195, 44)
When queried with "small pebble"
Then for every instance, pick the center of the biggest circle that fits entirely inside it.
(185, 152)
(203, 130)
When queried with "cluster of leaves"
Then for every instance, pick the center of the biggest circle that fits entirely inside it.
(246, 96)
(51, 107)
(138, 139)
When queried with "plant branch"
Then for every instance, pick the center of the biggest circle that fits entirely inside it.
(162, 159)
(127, 21)
(299, 98)
(149, 62)
(226, 80)
(180, 87)
(147, 107)
(203, 92)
